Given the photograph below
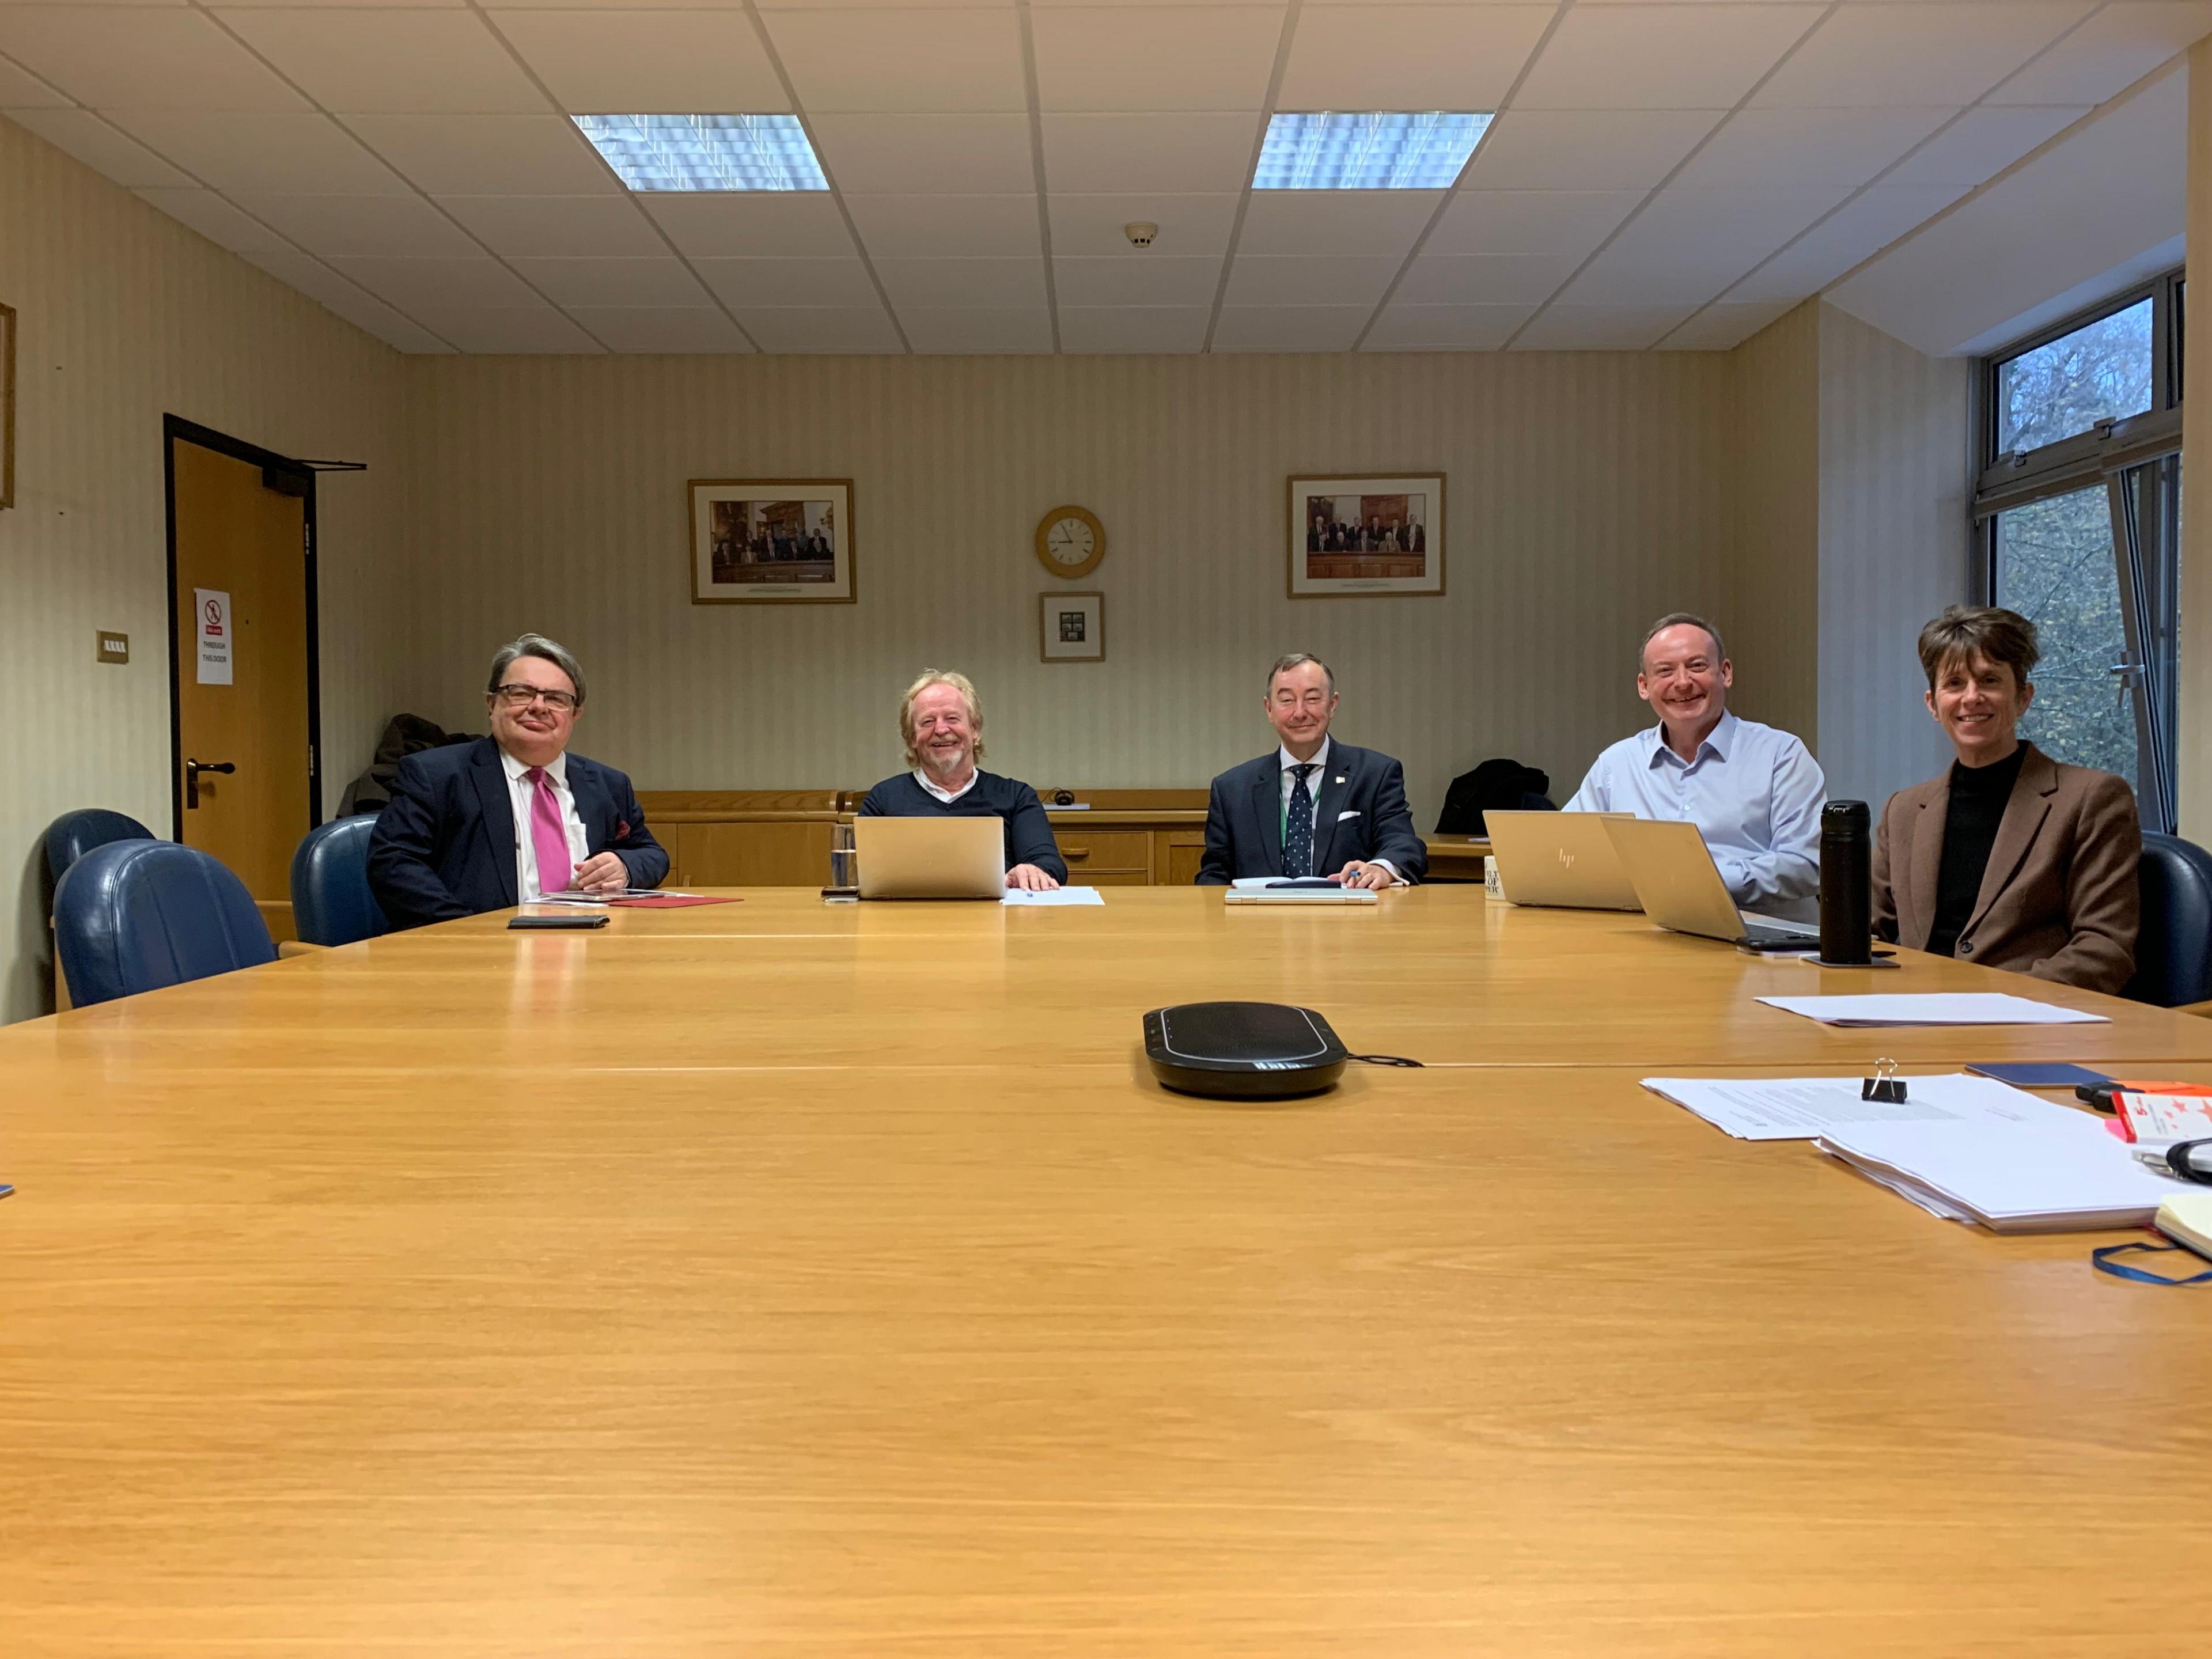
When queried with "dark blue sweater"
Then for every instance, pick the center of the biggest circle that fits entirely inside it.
(1028, 832)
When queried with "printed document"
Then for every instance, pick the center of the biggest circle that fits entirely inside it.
(1934, 1008)
(1798, 1109)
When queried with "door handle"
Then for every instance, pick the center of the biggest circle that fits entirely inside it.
(193, 770)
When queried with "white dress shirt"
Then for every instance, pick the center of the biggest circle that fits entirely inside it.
(948, 796)
(1285, 759)
(1754, 793)
(522, 794)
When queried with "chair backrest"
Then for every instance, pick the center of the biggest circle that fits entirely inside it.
(2173, 951)
(332, 903)
(1498, 782)
(135, 915)
(73, 835)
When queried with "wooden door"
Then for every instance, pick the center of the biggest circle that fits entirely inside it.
(240, 530)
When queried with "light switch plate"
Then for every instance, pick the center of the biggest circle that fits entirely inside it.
(113, 648)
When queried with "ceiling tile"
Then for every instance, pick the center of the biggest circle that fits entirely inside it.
(1673, 56)
(1157, 329)
(343, 299)
(1156, 57)
(385, 61)
(1409, 58)
(217, 220)
(419, 285)
(1445, 328)
(571, 283)
(489, 154)
(1723, 327)
(1767, 149)
(1571, 221)
(531, 329)
(1586, 150)
(1505, 280)
(1981, 145)
(406, 225)
(1857, 231)
(1181, 153)
(791, 226)
(916, 61)
(99, 146)
(824, 283)
(1289, 328)
(1325, 280)
(578, 226)
(1689, 245)
(155, 59)
(927, 155)
(669, 329)
(815, 329)
(1188, 224)
(21, 89)
(962, 284)
(947, 226)
(1932, 52)
(978, 330)
(1601, 328)
(304, 155)
(1379, 223)
(1156, 279)
(647, 62)
(2107, 54)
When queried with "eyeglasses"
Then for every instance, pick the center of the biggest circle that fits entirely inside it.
(521, 697)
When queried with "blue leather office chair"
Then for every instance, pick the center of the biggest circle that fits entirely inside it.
(2173, 952)
(332, 903)
(73, 835)
(135, 915)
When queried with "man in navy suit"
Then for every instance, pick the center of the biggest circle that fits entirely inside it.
(1314, 808)
(488, 825)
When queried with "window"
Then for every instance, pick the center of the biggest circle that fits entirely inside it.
(2080, 498)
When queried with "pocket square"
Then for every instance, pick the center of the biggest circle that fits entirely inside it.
(621, 829)
(1340, 816)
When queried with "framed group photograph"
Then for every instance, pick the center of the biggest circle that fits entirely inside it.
(785, 541)
(1071, 626)
(1363, 534)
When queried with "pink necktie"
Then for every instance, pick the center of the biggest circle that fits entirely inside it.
(549, 835)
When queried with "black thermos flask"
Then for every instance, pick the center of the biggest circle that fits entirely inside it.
(1846, 884)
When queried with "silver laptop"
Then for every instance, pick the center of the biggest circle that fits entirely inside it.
(1562, 859)
(931, 857)
(1680, 887)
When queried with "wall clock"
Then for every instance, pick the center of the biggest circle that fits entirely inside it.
(1070, 541)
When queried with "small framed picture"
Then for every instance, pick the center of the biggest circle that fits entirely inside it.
(1071, 626)
(784, 541)
(1362, 535)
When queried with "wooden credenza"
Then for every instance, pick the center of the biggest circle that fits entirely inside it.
(781, 837)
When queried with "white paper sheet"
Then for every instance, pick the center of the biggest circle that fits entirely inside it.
(2030, 1176)
(1059, 896)
(1801, 1108)
(1934, 1008)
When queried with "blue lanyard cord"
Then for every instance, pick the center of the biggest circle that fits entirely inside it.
(2104, 1262)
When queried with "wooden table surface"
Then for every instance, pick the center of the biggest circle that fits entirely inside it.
(784, 1278)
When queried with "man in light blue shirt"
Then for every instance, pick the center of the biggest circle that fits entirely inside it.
(1755, 794)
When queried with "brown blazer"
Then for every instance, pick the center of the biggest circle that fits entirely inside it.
(2059, 898)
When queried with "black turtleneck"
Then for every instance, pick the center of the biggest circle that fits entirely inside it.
(1979, 795)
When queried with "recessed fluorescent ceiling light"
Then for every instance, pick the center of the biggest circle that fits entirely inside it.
(1370, 149)
(705, 152)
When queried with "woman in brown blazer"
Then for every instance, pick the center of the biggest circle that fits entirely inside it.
(2011, 858)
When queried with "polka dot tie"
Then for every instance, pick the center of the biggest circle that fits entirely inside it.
(1298, 827)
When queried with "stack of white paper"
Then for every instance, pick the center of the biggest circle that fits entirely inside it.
(1055, 896)
(1934, 1008)
(1801, 1108)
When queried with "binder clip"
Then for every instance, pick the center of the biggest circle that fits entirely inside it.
(1885, 1085)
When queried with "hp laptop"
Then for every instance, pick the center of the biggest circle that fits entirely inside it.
(1562, 859)
(1681, 889)
(931, 857)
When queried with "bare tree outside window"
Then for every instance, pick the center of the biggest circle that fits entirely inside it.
(2100, 372)
(2055, 567)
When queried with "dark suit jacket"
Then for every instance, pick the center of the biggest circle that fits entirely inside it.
(1362, 814)
(445, 846)
(2059, 898)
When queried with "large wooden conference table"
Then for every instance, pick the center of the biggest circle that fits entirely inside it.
(786, 1279)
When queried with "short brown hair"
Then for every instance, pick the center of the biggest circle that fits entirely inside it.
(959, 682)
(1967, 631)
(1680, 619)
(535, 645)
(1297, 659)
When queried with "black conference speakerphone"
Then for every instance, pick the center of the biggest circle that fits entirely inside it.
(1242, 1050)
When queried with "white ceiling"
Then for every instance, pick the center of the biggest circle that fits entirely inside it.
(1668, 174)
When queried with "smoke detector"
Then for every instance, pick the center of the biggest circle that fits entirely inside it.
(1140, 234)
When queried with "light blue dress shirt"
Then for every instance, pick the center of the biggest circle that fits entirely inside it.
(1755, 794)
